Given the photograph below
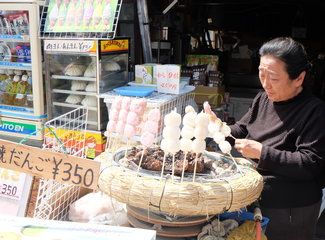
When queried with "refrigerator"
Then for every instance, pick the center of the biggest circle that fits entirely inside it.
(77, 72)
(22, 110)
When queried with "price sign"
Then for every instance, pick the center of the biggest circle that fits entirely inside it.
(168, 78)
(50, 165)
(11, 184)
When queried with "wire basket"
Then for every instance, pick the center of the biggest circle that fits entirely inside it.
(54, 199)
(164, 102)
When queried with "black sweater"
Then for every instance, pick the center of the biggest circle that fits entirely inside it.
(293, 154)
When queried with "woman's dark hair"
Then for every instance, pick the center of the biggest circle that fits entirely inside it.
(291, 52)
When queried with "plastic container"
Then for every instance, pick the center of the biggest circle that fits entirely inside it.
(134, 91)
(243, 216)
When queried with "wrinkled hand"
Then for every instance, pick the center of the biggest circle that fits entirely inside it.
(249, 148)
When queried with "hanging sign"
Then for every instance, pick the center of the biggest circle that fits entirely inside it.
(50, 165)
(70, 46)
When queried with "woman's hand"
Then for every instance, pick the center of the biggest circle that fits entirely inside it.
(249, 148)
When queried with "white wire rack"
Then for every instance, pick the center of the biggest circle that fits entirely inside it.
(70, 33)
(164, 102)
(67, 135)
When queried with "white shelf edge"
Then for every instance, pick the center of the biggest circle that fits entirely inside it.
(56, 90)
(61, 104)
(74, 78)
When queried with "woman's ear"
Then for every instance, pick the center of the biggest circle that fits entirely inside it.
(300, 79)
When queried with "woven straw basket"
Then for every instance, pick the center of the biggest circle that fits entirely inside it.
(173, 197)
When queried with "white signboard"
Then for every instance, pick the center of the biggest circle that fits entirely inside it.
(11, 184)
(14, 192)
(69, 46)
(168, 78)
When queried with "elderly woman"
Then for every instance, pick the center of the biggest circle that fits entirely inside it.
(283, 133)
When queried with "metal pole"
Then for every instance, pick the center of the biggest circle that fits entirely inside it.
(144, 30)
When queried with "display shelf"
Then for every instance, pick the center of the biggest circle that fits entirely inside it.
(14, 38)
(58, 90)
(65, 77)
(15, 65)
(16, 108)
(61, 104)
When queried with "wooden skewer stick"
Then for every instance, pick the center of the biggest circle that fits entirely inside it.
(173, 167)
(163, 167)
(141, 159)
(232, 137)
(195, 166)
(236, 164)
(183, 170)
(126, 149)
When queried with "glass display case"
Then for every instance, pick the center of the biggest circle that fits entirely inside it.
(21, 79)
(78, 71)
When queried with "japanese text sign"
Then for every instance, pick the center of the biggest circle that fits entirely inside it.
(11, 184)
(50, 165)
(168, 78)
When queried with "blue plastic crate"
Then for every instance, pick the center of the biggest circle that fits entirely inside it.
(241, 216)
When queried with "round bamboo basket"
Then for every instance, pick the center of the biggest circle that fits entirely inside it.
(173, 197)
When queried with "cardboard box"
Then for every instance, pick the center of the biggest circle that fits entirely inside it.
(213, 95)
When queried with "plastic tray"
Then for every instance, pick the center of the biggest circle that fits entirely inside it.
(134, 91)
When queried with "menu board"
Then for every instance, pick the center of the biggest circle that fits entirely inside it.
(80, 15)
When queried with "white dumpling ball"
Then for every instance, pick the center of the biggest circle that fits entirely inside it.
(189, 119)
(163, 145)
(225, 147)
(186, 144)
(225, 129)
(171, 132)
(189, 109)
(187, 132)
(202, 119)
(173, 146)
(218, 137)
(201, 132)
(213, 127)
(198, 145)
(173, 119)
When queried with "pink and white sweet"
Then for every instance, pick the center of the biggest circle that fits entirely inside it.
(147, 139)
(129, 131)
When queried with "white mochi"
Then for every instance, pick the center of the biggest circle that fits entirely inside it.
(202, 119)
(218, 137)
(172, 119)
(171, 132)
(225, 147)
(186, 144)
(201, 132)
(187, 132)
(189, 119)
(225, 129)
(173, 146)
(198, 146)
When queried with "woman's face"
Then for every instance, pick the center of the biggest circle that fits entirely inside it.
(275, 79)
